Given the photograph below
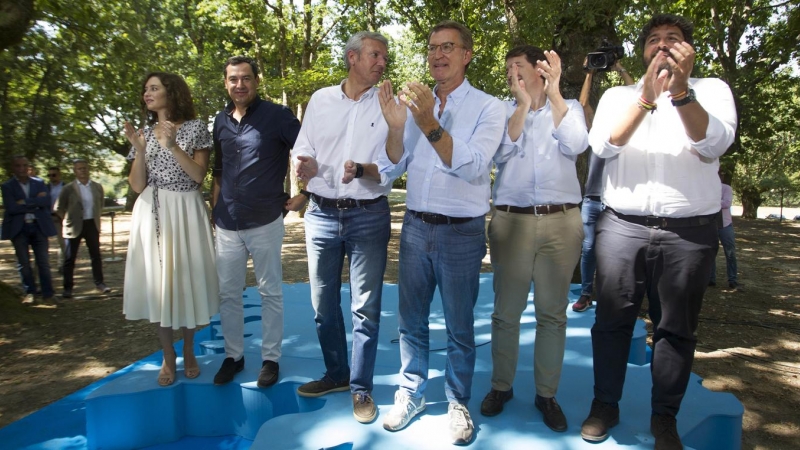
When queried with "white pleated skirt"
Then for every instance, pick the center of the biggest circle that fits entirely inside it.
(171, 280)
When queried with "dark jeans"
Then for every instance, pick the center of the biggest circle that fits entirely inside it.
(632, 259)
(31, 236)
(92, 236)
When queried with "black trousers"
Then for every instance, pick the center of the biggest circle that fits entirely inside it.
(633, 259)
(91, 234)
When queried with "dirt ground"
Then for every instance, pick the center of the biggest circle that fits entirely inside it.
(748, 339)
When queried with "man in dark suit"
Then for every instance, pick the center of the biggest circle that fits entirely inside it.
(27, 223)
(80, 205)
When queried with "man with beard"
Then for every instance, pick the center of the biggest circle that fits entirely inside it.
(342, 136)
(661, 139)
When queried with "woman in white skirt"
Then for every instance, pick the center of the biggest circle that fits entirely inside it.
(170, 276)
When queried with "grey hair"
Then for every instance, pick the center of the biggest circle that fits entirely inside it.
(356, 41)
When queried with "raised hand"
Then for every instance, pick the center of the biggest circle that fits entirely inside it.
(165, 133)
(307, 169)
(135, 137)
(419, 99)
(517, 88)
(551, 71)
(393, 112)
(682, 63)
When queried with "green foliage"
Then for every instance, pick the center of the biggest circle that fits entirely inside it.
(73, 81)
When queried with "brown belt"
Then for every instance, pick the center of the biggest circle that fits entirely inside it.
(537, 210)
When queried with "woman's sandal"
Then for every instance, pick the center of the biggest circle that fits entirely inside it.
(165, 378)
(193, 371)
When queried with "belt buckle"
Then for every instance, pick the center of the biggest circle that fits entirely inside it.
(536, 210)
(655, 222)
(341, 203)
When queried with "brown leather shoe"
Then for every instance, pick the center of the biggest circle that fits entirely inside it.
(665, 430)
(364, 409)
(553, 416)
(602, 417)
(492, 404)
(268, 374)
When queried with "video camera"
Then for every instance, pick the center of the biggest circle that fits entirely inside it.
(604, 57)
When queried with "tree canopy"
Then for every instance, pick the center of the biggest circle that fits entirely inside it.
(75, 76)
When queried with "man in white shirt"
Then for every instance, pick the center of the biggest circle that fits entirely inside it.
(661, 139)
(54, 187)
(444, 139)
(80, 205)
(342, 135)
(536, 230)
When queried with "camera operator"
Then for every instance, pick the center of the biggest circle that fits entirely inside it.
(591, 208)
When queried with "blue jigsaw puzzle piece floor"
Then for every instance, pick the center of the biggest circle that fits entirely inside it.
(129, 410)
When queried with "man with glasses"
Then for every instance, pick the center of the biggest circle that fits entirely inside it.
(80, 205)
(444, 139)
(342, 136)
(27, 224)
(54, 187)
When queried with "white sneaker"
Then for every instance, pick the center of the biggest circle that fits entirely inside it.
(461, 426)
(404, 409)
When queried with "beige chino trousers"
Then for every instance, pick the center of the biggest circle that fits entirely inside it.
(543, 249)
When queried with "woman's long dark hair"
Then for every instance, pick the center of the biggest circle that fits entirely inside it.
(179, 99)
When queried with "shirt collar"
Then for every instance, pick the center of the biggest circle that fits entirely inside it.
(367, 94)
(231, 106)
(458, 95)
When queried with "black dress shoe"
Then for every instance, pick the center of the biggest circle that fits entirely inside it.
(492, 404)
(268, 375)
(553, 416)
(228, 370)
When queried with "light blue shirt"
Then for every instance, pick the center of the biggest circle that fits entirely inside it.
(476, 122)
(539, 168)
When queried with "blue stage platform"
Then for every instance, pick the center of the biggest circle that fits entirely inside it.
(129, 410)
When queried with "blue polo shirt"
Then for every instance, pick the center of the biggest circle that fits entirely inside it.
(252, 157)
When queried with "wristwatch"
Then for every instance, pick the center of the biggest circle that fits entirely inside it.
(359, 170)
(435, 135)
(690, 97)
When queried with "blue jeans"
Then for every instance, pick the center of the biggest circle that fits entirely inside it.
(362, 234)
(728, 239)
(447, 256)
(32, 236)
(590, 211)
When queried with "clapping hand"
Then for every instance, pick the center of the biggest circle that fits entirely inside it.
(307, 169)
(135, 137)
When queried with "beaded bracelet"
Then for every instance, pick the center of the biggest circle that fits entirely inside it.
(646, 105)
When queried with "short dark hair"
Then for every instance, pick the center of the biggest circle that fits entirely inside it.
(659, 20)
(179, 98)
(532, 54)
(463, 31)
(54, 168)
(236, 60)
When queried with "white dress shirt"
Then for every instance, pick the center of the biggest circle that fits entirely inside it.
(87, 198)
(539, 168)
(661, 171)
(476, 122)
(55, 191)
(725, 204)
(336, 129)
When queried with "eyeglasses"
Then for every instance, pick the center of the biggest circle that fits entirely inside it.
(52, 175)
(447, 47)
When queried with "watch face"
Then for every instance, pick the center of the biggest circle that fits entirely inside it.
(435, 135)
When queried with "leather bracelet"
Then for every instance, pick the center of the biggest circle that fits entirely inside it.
(689, 98)
(359, 170)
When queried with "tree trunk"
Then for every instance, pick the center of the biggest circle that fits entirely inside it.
(751, 200)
